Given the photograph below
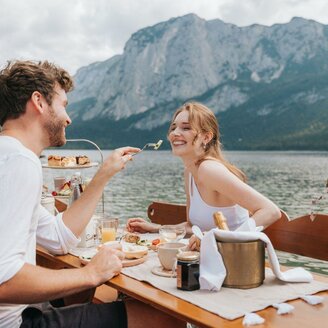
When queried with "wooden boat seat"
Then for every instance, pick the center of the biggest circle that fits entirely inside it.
(299, 236)
(167, 213)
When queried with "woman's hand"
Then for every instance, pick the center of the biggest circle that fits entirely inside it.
(141, 225)
(194, 243)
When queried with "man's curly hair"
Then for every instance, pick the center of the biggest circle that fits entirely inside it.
(19, 79)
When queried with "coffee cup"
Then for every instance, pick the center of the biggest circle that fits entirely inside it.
(167, 253)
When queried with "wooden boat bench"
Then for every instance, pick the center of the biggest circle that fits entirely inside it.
(300, 236)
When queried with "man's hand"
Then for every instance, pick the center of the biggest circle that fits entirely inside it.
(117, 160)
(141, 225)
(106, 264)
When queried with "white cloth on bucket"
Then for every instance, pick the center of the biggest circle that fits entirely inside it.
(211, 265)
(212, 271)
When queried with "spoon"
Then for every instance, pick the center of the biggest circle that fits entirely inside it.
(155, 146)
(197, 232)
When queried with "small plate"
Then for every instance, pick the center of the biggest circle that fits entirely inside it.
(160, 271)
(46, 166)
(125, 263)
(133, 262)
(115, 244)
(134, 251)
(87, 256)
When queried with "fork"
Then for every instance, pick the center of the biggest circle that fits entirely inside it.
(155, 146)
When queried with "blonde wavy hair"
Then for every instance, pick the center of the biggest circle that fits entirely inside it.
(203, 120)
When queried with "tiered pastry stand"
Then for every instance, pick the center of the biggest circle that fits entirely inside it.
(83, 166)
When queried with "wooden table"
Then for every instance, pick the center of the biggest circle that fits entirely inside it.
(304, 315)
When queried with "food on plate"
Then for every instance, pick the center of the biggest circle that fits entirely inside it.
(82, 160)
(144, 242)
(132, 258)
(155, 242)
(134, 251)
(131, 238)
(54, 160)
(65, 190)
(68, 161)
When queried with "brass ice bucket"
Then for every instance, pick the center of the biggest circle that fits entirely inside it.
(244, 262)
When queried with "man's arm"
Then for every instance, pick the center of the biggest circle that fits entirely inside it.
(33, 284)
(77, 216)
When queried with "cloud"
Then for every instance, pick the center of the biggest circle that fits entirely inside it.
(244, 13)
(77, 33)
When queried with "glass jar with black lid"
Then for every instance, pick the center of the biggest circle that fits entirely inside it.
(188, 271)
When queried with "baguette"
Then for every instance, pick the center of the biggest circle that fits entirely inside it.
(220, 221)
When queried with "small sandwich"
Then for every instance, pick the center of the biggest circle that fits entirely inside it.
(82, 160)
(131, 238)
(54, 160)
(68, 161)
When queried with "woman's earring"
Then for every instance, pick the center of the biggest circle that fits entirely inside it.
(204, 146)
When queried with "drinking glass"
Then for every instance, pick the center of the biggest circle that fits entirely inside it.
(108, 229)
(121, 230)
(171, 233)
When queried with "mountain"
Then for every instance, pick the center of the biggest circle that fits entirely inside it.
(268, 86)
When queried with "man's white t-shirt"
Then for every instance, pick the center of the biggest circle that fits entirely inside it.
(23, 221)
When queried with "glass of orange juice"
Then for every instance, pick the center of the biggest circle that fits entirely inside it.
(108, 229)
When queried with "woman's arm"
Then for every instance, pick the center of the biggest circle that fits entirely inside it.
(218, 178)
(142, 226)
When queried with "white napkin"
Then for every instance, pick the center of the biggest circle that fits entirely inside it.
(211, 273)
(216, 263)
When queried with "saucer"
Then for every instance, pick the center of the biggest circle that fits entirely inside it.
(125, 263)
(133, 262)
(160, 271)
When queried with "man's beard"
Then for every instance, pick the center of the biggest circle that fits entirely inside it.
(54, 128)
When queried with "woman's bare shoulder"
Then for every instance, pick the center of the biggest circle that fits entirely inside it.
(212, 171)
(210, 164)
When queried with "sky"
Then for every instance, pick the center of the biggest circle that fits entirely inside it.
(76, 33)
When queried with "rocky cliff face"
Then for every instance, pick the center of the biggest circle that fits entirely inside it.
(257, 79)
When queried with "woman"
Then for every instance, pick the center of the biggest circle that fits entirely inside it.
(212, 184)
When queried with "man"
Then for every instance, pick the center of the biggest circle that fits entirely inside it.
(33, 116)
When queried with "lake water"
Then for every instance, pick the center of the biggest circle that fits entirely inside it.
(290, 179)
